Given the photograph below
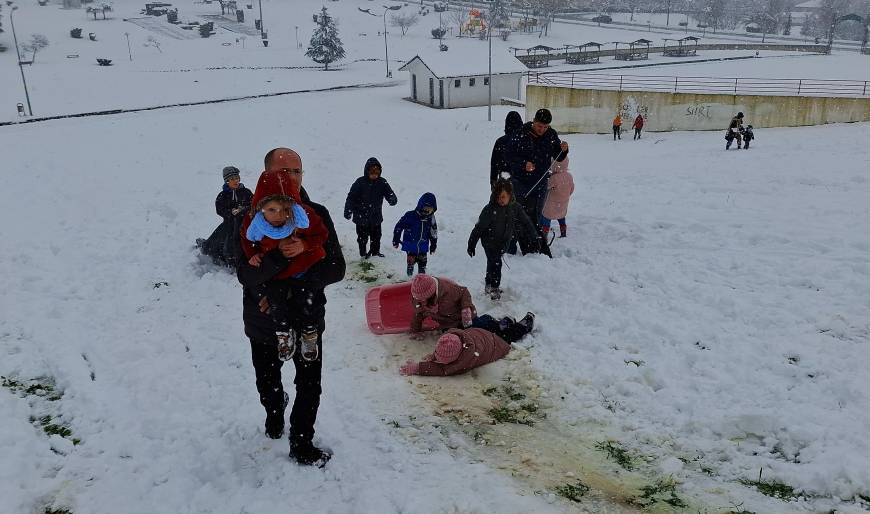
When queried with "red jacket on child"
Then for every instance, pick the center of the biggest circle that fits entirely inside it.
(277, 182)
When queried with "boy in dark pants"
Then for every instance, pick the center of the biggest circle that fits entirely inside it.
(501, 220)
(417, 231)
(364, 203)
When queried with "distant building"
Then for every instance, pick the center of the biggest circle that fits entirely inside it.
(459, 78)
(801, 11)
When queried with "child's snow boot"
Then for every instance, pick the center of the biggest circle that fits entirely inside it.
(410, 270)
(563, 230)
(487, 290)
(310, 351)
(528, 321)
(286, 345)
(495, 294)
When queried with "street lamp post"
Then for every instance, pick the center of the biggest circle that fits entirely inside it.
(262, 29)
(129, 51)
(386, 51)
(18, 53)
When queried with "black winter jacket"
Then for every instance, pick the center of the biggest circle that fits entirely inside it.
(329, 270)
(524, 147)
(229, 199)
(497, 225)
(499, 163)
(366, 197)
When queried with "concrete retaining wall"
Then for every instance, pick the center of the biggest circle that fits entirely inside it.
(591, 111)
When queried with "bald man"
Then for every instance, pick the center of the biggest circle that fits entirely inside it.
(260, 328)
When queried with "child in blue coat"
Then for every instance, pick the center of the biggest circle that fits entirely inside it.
(417, 231)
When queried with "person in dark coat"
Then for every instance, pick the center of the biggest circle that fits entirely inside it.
(748, 135)
(363, 204)
(417, 231)
(231, 204)
(500, 221)
(260, 328)
(532, 150)
(734, 131)
(499, 163)
(638, 126)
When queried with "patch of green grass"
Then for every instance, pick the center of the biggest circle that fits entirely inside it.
(42, 388)
(574, 492)
(773, 488)
(505, 415)
(366, 266)
(664, 490)
(618, 453)
(490, 391)
(529, 407)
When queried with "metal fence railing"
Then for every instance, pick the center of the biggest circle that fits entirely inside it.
(720, 85)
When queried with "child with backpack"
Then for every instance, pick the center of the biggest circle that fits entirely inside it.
(500, 221)
(280, 214)
(417, 232)
(559, 190)
(363, 204)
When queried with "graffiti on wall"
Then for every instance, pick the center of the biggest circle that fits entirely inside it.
(699, 111)
(631, 107)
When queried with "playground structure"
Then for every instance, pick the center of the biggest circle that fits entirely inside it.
(684, 47)
(475, 24)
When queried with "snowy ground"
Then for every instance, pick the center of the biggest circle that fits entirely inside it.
(710, 315)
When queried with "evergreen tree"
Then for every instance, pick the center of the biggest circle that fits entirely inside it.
(325, 46)
(787, 30)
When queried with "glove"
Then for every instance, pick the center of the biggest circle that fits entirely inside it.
(433, 245)
(236, 211)
(471, 251)
(409, 368)
(348, 215)
(466, 317)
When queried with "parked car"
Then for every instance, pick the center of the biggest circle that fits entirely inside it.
(602, 18)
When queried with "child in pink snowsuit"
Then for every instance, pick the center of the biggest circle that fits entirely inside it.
(559, 190)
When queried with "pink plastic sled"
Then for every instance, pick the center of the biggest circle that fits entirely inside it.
(389, 309)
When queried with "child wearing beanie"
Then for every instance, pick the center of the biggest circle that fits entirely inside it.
(441, 299)
(417, 232)
(231, 204)
(279, 215)
(461, 350)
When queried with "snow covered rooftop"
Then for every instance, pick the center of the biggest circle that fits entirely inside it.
(809, 4)
(466, 59)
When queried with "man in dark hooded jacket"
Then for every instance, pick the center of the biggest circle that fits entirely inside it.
(499, 163)
(364, 203)
(532, 150)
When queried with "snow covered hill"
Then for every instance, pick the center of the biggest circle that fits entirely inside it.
(707, 315)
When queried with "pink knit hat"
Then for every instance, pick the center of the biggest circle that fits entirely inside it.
(448, 348)
(422, 287)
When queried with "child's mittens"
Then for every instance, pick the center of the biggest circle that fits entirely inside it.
(409, 368)
(470, 251)
(348, 215)
(433, 245)
(466, 317)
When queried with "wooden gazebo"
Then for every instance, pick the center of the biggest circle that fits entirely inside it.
(588, 53)
(681, 47)
(538, 56)
(634, 51)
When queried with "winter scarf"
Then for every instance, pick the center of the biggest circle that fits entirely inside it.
(260, 228)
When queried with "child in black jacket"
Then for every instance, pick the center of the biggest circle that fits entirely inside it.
(231, 204)
(501, 220)
(364, 203)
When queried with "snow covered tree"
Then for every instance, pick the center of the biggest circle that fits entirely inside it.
(786, 31)
(499, 14)
(458, 15)
(37, 42)
(404, 21)
(227, 6)
(325, 47)
(2, 48)
(102, 8)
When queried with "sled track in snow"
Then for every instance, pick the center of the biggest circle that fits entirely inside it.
(201, 102)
